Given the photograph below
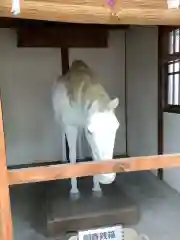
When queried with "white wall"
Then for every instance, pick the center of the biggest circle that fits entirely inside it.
(26, 77)
(142, 79)
(172, 145)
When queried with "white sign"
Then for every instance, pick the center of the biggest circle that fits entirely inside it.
(106, 233)
(173, 4)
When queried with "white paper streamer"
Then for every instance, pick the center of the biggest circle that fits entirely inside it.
(15, 7)
(173, 4)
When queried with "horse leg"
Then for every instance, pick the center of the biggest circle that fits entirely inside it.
(80, 150)
(97, 191)
(71, 134)
(64, 153)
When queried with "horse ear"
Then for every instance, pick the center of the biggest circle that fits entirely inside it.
(94, 107)
(113, 103)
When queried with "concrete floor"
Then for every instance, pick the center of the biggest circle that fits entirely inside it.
(159, 207)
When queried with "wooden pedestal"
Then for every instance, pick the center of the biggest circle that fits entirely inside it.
(89, 211)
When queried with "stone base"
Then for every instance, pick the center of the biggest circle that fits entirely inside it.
(65, 215)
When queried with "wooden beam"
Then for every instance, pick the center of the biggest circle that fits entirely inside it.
(64, 171)
(8, 22)
(6, 230)
(50, 163)
(61, 36)
(59, 12)
(102, 14)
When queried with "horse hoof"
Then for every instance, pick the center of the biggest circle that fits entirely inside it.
(97, 194)
(74, 195)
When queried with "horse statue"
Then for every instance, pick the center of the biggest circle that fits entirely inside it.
(81, 103)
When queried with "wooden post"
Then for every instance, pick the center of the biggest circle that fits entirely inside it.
(65, 67)
(64, 60)
(6, 229)
(160, 139)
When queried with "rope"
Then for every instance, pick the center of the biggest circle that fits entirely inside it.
(15, 7)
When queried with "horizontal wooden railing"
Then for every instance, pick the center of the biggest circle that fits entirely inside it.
(64, 171)
(96, 14)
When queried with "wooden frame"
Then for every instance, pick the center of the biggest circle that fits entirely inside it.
(123, 12)
(163, 106)
(64, 171)
(6, 232)
(160, 126)
(10, 177)
(164, 59)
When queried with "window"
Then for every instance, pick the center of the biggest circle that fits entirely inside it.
(170, 66)
(173, 83)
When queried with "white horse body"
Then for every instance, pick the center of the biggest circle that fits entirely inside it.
(81, 103)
